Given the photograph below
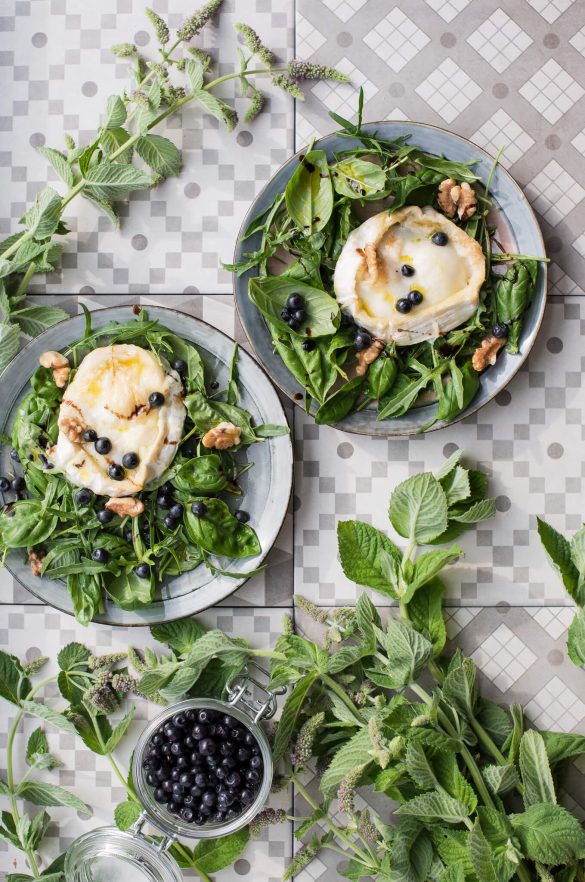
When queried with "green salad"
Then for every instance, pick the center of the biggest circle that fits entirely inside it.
(295, 281)
(123, 548)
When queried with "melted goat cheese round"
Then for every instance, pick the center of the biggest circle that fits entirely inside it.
(109, 394)
(369, 281)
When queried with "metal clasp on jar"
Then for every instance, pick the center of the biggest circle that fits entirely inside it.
(166, 841)
(241, 691)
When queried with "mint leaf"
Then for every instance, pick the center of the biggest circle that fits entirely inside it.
(115, 114)
(42, 218)
(559, 554)
(562, 745)
(120, 730)
(71, 655)
(36, 709)
(41, 793)
(290, 712)
(460, 687)
(10, 677)
(362, 553)
(160, 154)
(435, 808)
(428, 565)
(535, 770)
(549, 834)
(9, 343)
(500, 779)
(418, 508)
(32, 320)
(353, 754)
(213, 855)
(126, 814)
(576, 638)
(108, 180)
(456, 485)
(479, 511)
(178, 636)
(59, 163)
(425, 610)
(447, 467)
(407, 650)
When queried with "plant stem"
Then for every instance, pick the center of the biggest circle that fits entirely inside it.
(187, 857)
(238, 75)
(331, 684)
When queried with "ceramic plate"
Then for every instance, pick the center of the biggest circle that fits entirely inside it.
(517, 231)
(266, 487)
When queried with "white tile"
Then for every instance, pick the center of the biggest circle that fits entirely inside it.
(550, 9)
(501, 131)
(448, 9)
(554, 192)
(448, 90)
(552, 91)
(555, 707)
(396, 39)
(344, 9)
(499, 40)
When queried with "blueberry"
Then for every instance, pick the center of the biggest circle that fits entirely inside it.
(415, 297)
(362, 340)
(104, 516)
(182, 762)
(188, 448)
(196, 792)
(156, 399)
(295, 301)
(439, 238)
(234, 779)
(285, 314)
(90, 435)
(190, 715)
(103, 445)
(243, 754)
(293, 324)
(84, 497)
(178, 789)
(407, 270)
(177, 748)
(189, 800)
(128, 535)
(100, 555)
(199, 731)
(309, 345)
(232, 813)
(176, 511)
(142, 571)
(245, 797)
(173, 807)
(180, 720)
(167, 488)
(500, 330)
(14, 455)
(209, 798)
(219, 817)
(206, 716)
(206, 747)
(299, 316)
(252, 777)
(130, 460)
(160, 795)
(4, 484)
(171, 732)
(198, 509)
(170, 523)
(256, 762)
(201, 779)
(225, 748)
(18, 484)
(167, 786)
(164, 501)
(180, 366)
(116, 472)
(403, 305)
(242, 516)
(229, 762)
(238, 733)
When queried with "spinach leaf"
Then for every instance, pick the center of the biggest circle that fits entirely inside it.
(86, 595)
(201, 475)
(206, 413)
(219, 532)
(381, 376)
(357, 178)
(514, 294)
(308, 194)
(340, 403)
(129, 591)
(26, 525)
(321, 310)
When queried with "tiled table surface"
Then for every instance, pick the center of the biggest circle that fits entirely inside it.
(502, 73)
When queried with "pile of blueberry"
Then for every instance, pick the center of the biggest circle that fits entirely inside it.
(16, 484)
(294, 312)
(204, 766)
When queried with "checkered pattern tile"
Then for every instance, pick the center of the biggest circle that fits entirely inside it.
(499, 40)
(448, 90)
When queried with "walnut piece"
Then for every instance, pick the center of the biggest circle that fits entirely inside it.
(125, 506)
(58, 363)
(369, 355)
(487, 353)
(457, 199)
(222, 436)
(36, 559)
(73, 429)
(372, 261)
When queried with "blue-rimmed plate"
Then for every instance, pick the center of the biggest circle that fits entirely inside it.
(517, 231)
(266, 487)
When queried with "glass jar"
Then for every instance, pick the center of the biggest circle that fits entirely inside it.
(110, 855)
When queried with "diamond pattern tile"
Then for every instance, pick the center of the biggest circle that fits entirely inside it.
(448, 90)
(503, 657)
(578, 41)
(552, 91)
(556, 706)
(555, 193)
(396, 39)
(499, 40)
(447, 9)
(550, 9)
(501, 131)
(344, 9)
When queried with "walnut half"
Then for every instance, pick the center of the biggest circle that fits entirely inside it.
(58, 363)
(72, 429)
(125, 506)
(367, 356)
(222, 436)
(457, 199)
(487, 353)
(36, 560)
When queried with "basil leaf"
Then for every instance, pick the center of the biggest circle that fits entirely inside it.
(357, 178)
(514, 294)
(201, 475)
(403, 393)
(381, 376)
(129, 591)
(86, 596)
(308, 194)
(26, 525)
(271, 293)
(338, 405)
(219, 532)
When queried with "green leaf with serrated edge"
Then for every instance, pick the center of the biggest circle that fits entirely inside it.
(562, 745)
(576, 638)
(36, 744)
(367, 616)
(42, 218)
(213, 855)
(447, 467)
(512, 743)
(217, 108)
(353, 754)
(112, 140)
(290, 713)
(71, 655)
(419, 767)
(410, 861)
(309, 194)
(160, 154)
(151, 681)
(41, 793)
(194, 71)
(460, 687)
(59, 163)
(559, 554)
(108, 180)
(9, 343)
(407, 650)
(452, 781)
(32, 320)
(535, 770)
(180, 635)
(108, 209)
(456, 486)
(38, 828)
(120, 730)
(549, 834)
(479, 511)
(36, 709)
(435, 808)
(115, 115)
(456, 873)
(453, 847)
(500, 779)
(126, 814)
(10, 677)
(428, 565)
(425, 611)
(360, 547)
(418, 508)
(577, 546)
(481, 855)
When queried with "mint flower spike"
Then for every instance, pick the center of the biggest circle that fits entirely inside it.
(302, 858)
(347, 788)
(287, 84)
(315, 612)
(124, 50)
(254, 44)
(303, 749)
(264, 819)
(159, 25)
(202, 57)
(257, 102)
(192, 26)
(306, 70)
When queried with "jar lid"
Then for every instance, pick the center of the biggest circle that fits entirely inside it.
(109, 855)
